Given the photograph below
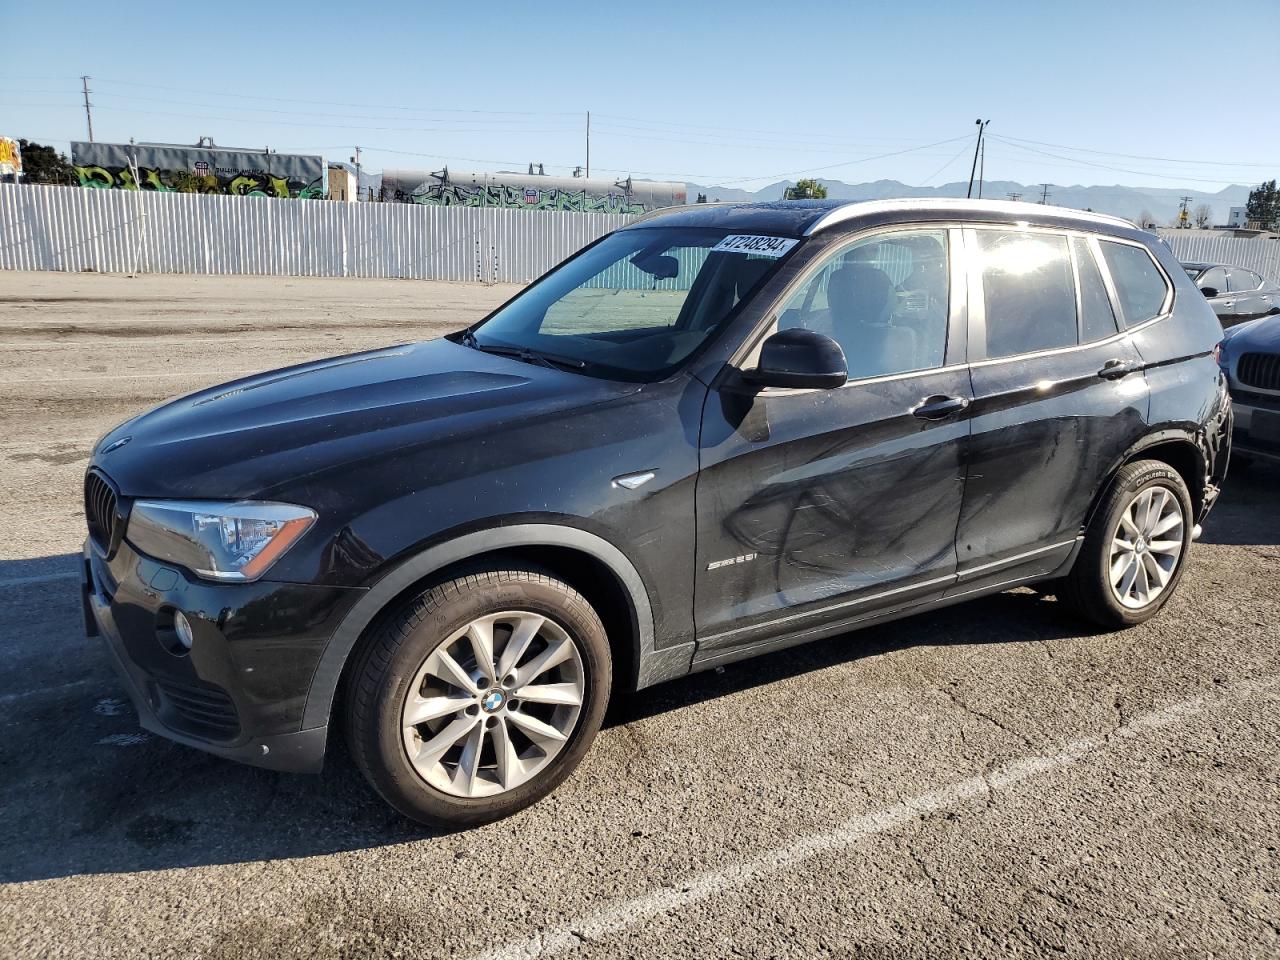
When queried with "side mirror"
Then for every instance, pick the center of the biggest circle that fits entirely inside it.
(1209, 292)
(801, 359)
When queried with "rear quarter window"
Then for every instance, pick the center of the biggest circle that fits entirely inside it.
(1140, 286)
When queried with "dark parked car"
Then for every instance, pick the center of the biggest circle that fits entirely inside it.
(1236, 294)
(1250, 357)
(717, 432)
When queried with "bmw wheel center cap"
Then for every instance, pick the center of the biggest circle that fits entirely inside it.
(493, 701)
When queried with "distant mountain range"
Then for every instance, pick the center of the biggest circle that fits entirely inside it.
(1126, 202)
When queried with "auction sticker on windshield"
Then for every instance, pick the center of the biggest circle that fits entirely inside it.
(760, 246)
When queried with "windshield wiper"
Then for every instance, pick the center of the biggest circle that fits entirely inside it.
(524, 354)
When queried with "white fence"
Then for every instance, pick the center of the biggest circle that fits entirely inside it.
(1261, 256)
(121, 231)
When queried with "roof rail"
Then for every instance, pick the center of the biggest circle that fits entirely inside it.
(858, 208)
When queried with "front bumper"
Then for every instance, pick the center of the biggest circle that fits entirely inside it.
(240, 691)
(1257, 425)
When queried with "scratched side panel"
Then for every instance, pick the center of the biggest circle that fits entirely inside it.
(814, 499)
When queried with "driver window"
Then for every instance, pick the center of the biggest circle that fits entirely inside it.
(883, 299)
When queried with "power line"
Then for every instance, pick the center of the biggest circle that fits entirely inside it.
(958, 154)
(1104, 166)
(844, 163)
(1138, 156)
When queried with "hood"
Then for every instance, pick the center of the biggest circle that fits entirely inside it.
(1256, 336)
(244, 438)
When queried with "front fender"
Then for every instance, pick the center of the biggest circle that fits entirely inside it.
(651, 665)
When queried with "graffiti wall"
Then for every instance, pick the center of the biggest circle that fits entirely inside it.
(10, 158)
(528, 192)
(182, 169)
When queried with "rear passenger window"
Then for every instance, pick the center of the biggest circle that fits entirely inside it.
(1140, 286)
(1097, 319)
(1029, 291)
(1242, 279)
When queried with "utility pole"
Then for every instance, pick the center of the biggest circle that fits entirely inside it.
(977, 146)
(1184, 218)
(588, 144)
(982, 166)
(88, 113)
(1044, 193)
(356, 161)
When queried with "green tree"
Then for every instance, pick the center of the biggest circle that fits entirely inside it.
(1264, 205)
(806, 190)
(41, 164)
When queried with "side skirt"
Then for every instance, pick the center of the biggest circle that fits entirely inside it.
(959, 593)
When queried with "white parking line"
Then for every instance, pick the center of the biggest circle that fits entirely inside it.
(702, 886)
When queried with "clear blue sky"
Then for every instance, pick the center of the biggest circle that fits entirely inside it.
(740, 94)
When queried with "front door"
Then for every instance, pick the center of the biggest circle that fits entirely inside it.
(816, 508)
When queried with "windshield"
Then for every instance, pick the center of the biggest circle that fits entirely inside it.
(637, 304)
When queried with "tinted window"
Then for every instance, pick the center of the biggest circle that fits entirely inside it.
(1029, 291)
(883, 299)
(1097, 319)
(1242, 279)
(1215, 277)
(635, 305)
(1140, 285)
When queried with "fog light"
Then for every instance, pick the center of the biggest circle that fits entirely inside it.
(182, 627)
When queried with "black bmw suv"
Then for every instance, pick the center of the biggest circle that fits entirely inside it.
(720, 431)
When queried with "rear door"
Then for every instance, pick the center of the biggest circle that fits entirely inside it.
(1244, 286)
(1059, 395)
(1222, 302)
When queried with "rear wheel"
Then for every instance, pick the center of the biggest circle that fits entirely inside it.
(1135, 548)
(479, 696)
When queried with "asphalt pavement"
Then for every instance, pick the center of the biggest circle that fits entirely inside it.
(992, 779)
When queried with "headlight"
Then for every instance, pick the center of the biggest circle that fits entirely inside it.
(219, 541)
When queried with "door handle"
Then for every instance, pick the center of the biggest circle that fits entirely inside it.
(939, 407)
(1116, 370)
(1228, 303)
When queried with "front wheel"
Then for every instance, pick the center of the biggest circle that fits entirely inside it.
(479, 696)
(1135, 548)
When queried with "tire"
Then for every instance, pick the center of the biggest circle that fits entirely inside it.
(1088, 589)
(421, 649)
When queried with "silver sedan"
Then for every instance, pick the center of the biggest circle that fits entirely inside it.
(1235, 293)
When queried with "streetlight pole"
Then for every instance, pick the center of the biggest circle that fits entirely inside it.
(977, 146)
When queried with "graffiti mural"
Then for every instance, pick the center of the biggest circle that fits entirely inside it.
(10, 158)
(529, 192)
(178, 169)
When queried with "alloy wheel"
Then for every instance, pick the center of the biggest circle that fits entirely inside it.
(493, 704)
(1146, 547)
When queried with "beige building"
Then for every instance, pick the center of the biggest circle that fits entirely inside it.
(342, 183)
